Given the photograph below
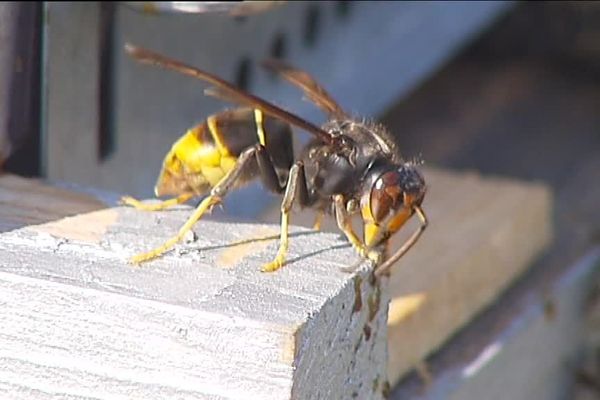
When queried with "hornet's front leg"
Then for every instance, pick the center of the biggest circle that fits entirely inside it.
(387, 265)
(345, 224)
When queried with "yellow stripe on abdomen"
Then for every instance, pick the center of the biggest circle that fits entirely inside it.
(211, 160)
(194, 153)
(260, 131)
(214, 174)
(216, 135)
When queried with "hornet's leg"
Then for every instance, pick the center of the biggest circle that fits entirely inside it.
(318, 220)
(130, 201)
(216, 195)
(267, 170)
(345, 225)
(296, 186)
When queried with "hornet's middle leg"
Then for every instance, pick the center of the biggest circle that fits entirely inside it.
(296, 187)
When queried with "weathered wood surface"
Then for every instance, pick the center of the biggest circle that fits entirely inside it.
(28, 202)
(531, 344)
(483, 233)
(202, 322)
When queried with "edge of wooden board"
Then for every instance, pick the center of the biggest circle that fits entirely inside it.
(484, 233)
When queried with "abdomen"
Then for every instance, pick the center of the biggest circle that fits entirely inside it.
(208, 151)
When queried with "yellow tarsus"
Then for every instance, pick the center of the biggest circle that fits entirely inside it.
(360, 247)
(138, 205)
(283, 246)
(318, 221)
(345, 225)
(204, 206)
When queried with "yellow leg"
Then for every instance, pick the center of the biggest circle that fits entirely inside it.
(204, 206)
(130, 201)
(360, 247)
(286, 207)
(318, 220)
(345, 226)
(217, 193)
(283, 246)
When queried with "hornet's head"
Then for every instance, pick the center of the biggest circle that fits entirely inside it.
(390, 197)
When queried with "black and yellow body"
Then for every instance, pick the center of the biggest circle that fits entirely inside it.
(350, 167)
(202, 157)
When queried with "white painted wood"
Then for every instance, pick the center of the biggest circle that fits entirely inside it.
(200, 323)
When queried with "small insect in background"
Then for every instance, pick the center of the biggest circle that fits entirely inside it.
(348, 167)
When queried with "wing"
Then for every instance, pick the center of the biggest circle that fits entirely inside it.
(224, 89)
(311, 88)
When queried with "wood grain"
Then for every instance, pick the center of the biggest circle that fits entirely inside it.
(31, 201)
(81, 323)
(484, 233)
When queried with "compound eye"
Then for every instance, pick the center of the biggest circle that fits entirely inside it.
(386, 195)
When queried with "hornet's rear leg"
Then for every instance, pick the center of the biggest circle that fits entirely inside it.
(138, 205)
(217, 193)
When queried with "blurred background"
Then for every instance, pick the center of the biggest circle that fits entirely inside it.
(107, 120)
(507, 89)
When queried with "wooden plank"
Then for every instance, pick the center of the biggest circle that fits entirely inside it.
(484, 232)
(496, 228)
(30, 201)
(505, 353)
(200, 323)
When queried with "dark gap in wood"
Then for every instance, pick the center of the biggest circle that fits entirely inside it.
(106, 134)
(23, 122)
